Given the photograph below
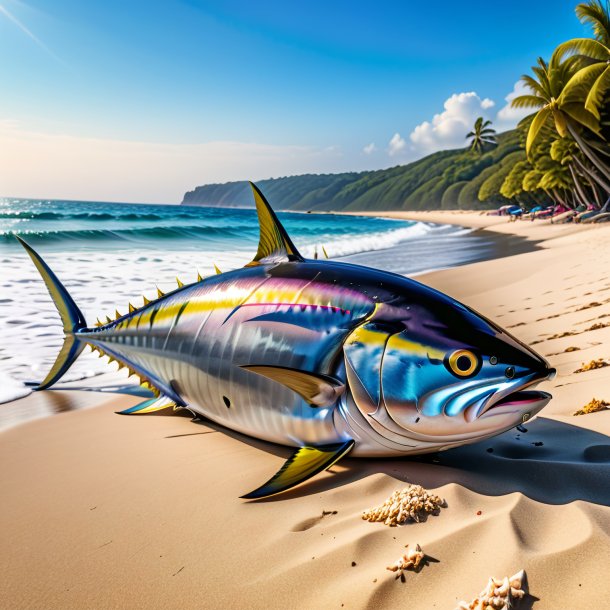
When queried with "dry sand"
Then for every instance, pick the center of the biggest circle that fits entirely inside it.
(102, 511)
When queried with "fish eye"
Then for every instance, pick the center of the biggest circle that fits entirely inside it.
(462, 363)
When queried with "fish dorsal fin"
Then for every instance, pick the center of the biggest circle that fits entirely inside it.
(274, 245)
(318, 390)
(305, 463)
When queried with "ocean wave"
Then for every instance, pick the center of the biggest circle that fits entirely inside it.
(93, 216)
(127, 234)
(365, 242)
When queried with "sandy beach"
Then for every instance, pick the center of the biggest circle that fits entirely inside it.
(104, 511)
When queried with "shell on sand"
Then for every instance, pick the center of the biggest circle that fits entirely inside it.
(412, 502)
(498, 594)
(409, 561)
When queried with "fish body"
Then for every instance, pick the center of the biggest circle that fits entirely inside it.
(324, 356)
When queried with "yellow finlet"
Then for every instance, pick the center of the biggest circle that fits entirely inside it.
(218, 271)
(98, 322)
(160, 293)
(180, 284)
(199, 278)
(325, 252)
(146, 301)
(131, 308)
(117, 314)
(108, 320)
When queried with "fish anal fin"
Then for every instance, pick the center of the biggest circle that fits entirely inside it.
(317, 389)
(305, 463)
(155, 406)
(274, 244)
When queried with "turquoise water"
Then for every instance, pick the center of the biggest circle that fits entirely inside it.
(90, 226)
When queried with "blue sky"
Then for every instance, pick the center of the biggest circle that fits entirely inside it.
(140, 101)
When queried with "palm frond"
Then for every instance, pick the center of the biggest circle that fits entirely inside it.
(584, 46)
(578, 87)
(534, 86)
(582, 116)
(595, 99)
(537, 124)
(528, 101)
(596, 15)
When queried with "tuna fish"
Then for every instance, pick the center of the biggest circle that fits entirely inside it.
(327, 357)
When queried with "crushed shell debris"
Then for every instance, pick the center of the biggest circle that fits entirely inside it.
(498, 594)
(413, 502)
(593, 406)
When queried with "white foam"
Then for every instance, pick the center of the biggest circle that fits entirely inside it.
(11, 389)
(354, 244)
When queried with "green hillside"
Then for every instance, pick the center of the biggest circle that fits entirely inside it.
(448, 179)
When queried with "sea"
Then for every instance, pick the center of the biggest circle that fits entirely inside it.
(111, 254)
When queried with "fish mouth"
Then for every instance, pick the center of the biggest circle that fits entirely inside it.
(519, 399)
(525, 402)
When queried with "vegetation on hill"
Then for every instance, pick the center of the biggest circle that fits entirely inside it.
(434, 181)
(558, 154)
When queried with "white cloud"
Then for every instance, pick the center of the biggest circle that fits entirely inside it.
(448, 129)
(507, 117)
(369, 148)
(72, 167)
(396, 145)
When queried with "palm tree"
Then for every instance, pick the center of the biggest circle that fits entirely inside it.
(556, 107)
(481, 135)
(594, 77)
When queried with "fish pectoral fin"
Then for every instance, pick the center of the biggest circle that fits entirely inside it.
(305, 463)
(274, 245)
(317, 389)
(155, 406)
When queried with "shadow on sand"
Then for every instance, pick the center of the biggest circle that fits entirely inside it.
(553, 462)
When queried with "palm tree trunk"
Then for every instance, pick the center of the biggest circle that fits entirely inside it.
(594, 190)
(582, 197)
(588, 151)
(593, 175)
(556, 197)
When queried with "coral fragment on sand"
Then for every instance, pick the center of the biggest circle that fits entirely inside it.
(593, 406)
(412, 502)
(593, 364)
(409, 561)
(498, 594)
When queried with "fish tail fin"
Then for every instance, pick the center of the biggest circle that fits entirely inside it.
(71, 317)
